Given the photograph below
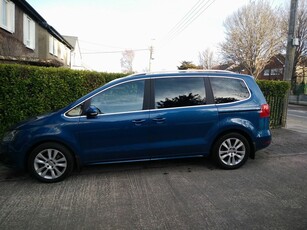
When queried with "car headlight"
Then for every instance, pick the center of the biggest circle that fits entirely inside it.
(9, 136)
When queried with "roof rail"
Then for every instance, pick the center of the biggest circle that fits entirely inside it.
(191, 70)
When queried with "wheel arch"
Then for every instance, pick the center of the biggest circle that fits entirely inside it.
(77, 162)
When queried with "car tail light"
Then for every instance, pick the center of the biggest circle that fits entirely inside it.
(265, 111)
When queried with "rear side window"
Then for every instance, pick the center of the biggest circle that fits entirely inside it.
(179, 92)
(226, 90)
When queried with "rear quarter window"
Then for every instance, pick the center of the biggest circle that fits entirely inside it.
(227, 90)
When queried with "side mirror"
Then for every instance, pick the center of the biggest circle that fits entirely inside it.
(92, 112)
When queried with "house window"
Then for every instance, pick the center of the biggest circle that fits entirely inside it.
(53, 46)
(7, 18)
(266, 72)
(277, 71)
(62, 51)
(4, 12)
(67, 56)
(28, 32)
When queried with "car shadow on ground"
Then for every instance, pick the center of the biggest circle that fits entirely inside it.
(164, 166)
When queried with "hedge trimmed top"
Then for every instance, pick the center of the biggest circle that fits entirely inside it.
(274, 88)
(27, 91)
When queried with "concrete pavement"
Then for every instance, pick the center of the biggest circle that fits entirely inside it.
(269, 192)
(297, 118)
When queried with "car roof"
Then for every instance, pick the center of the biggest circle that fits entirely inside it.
(148, 75)
(209, 73)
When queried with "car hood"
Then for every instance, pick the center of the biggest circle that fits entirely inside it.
(35, 121)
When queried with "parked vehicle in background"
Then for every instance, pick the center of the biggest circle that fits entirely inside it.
(145, 117)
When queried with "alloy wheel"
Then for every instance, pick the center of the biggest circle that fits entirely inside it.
(232, 151)
(50, 164)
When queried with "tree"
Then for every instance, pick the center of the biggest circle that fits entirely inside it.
(253, 36)
(127, 60)
(206, 59)
(301, 34)
(187, 65)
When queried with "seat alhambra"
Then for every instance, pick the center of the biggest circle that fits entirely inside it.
(146, 117)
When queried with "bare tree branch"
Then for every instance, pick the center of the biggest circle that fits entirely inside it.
(127, 60)
(206, 60)
(252, 36)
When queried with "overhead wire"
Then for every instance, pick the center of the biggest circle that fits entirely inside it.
(99, 44)
(120, 49)
(117, 51)
(195, 12)
(186, 16)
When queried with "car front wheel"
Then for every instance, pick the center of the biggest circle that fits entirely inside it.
(50, 162)
(231, 151)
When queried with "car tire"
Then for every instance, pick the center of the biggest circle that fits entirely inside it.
(231, 151)
(50, 162)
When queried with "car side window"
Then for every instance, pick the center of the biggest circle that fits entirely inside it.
(226, 90)
(76, 111)
(179, 92)
(120, 98)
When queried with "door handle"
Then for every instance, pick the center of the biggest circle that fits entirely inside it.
(138, 122)
(159, 119)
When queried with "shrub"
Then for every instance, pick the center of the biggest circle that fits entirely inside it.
(276, 93)
(300, 89)
(27, 91)
(274, 88)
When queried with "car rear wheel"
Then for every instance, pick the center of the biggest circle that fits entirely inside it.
(50, 162)
(231, 151)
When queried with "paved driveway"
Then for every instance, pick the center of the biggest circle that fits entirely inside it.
(269, 192)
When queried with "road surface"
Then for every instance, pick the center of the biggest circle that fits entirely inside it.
(297, 118)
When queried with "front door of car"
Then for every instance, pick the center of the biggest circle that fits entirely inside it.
(119, 132)
(181, 120)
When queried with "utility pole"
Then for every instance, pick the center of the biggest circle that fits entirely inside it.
(150, 57)
(151, 52)
(291, 42)
(289, 62)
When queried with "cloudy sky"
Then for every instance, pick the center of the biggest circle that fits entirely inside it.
(177, 29)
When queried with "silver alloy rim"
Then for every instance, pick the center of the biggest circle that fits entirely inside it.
(50, 164)
(232, 151)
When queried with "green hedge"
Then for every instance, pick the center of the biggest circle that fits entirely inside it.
(273, 88)
(26, 91)
(275, 93)
(300, 89)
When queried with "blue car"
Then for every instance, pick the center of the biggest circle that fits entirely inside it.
(146, 117)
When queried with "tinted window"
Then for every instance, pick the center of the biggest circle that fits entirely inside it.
(121, 98)
(226, 90)
(178, 92)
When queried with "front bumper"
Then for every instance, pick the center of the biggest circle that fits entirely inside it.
(4, 156)
(10, 158)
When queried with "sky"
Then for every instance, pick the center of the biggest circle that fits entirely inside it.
(177, 29)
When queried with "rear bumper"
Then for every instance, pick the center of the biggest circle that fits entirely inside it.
(263, 140)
